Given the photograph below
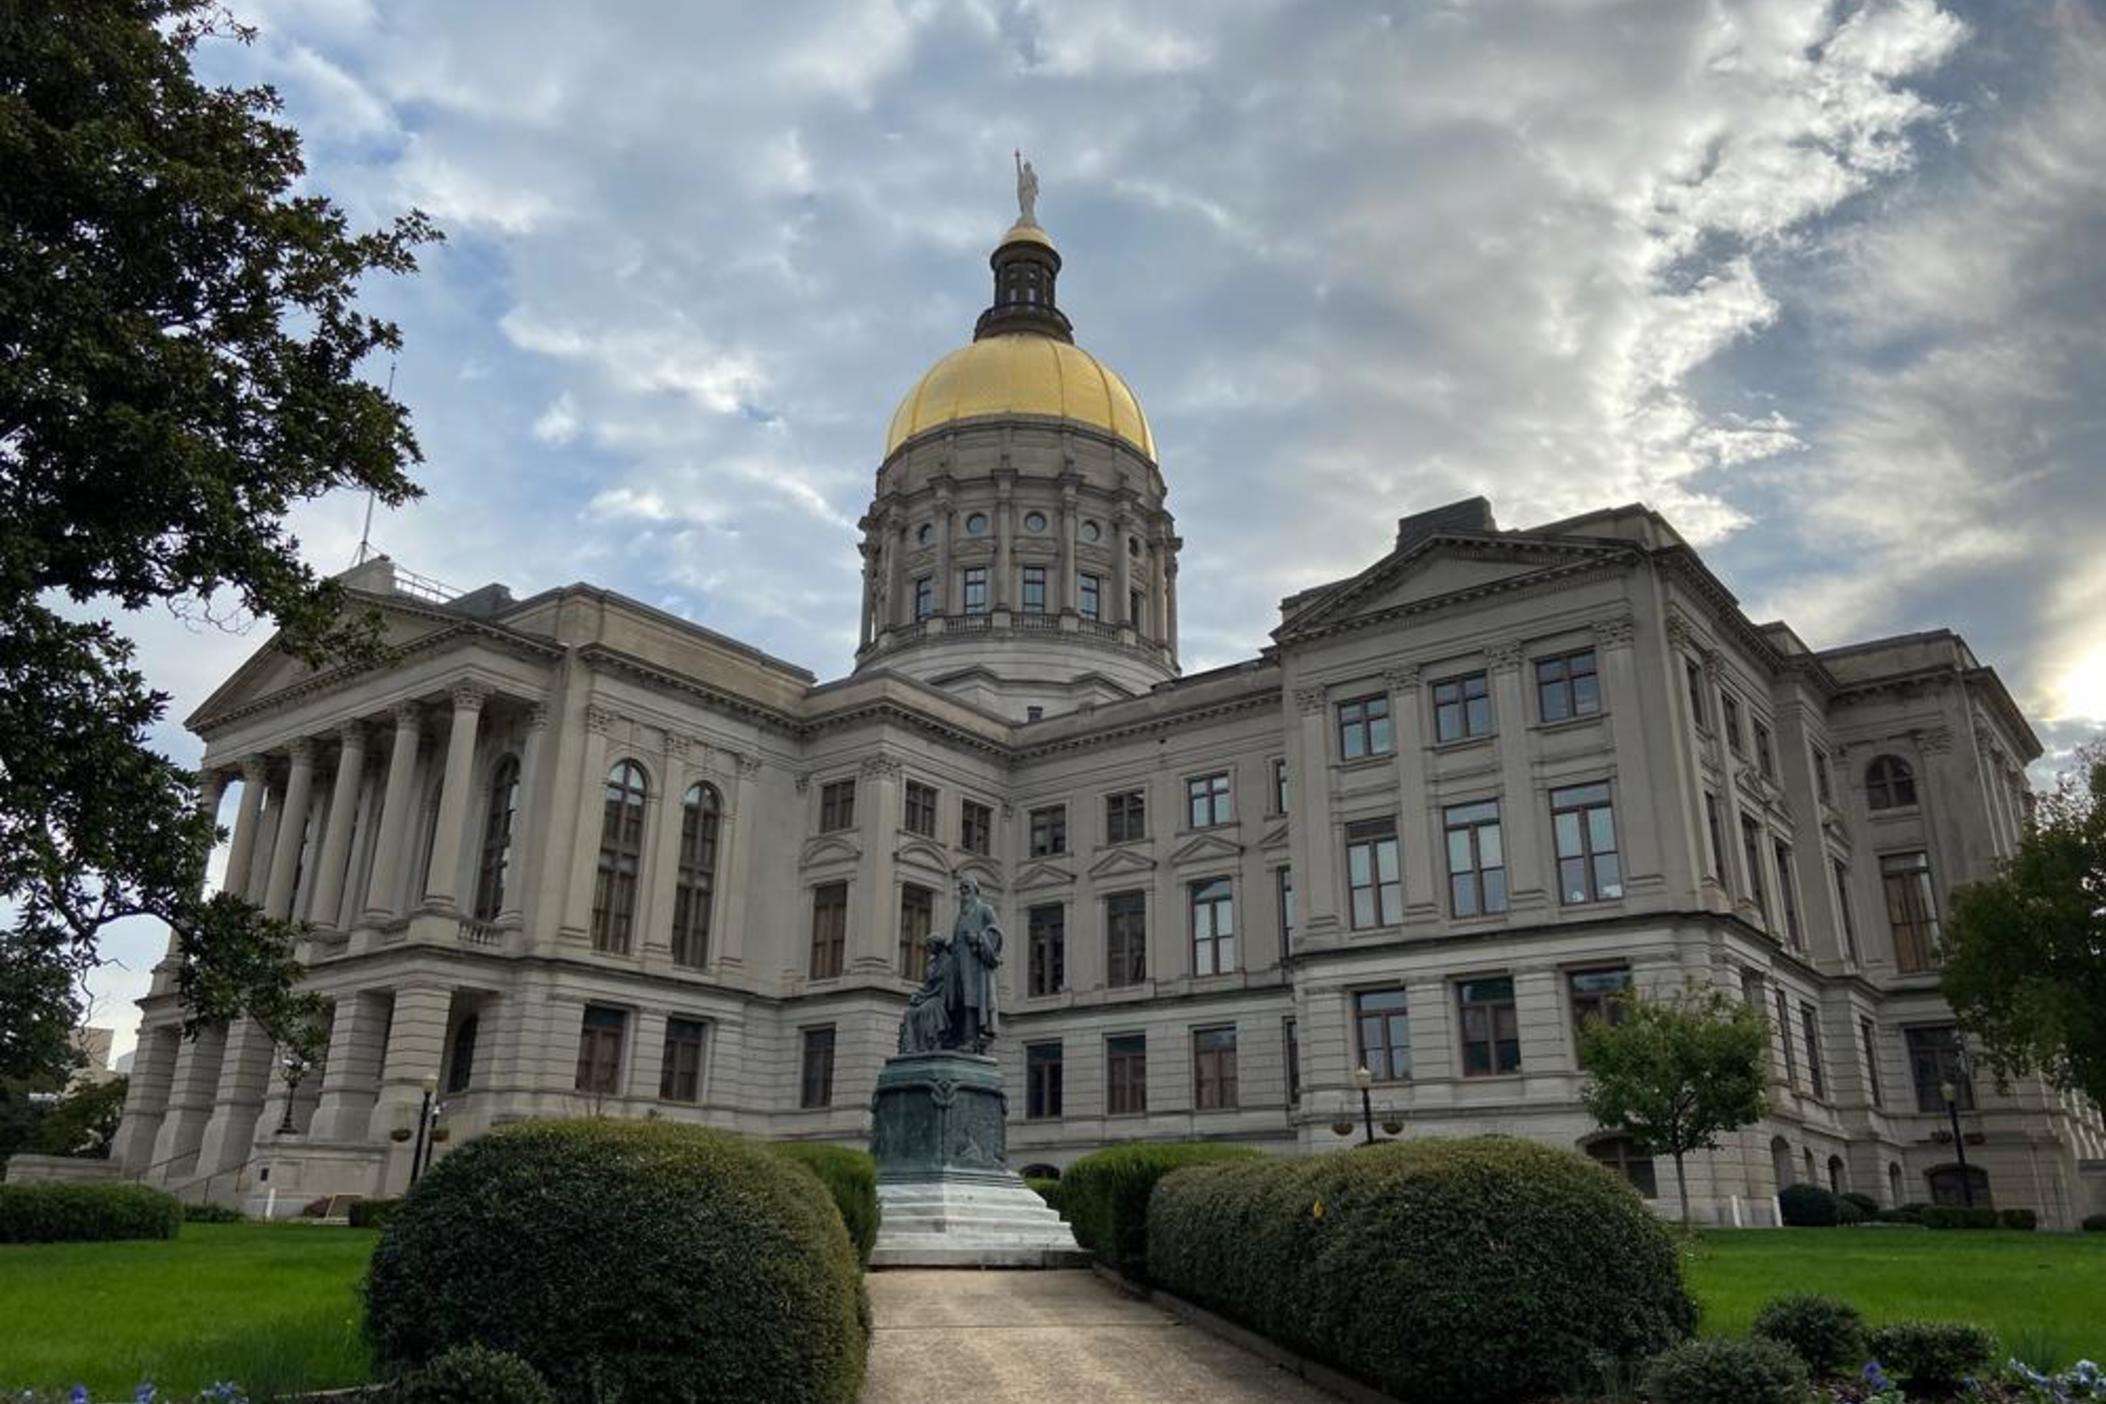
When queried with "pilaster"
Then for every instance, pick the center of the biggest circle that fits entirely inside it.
(244, 1079)
(190, 1096)
(589, 808)
(351, 1072)
(1520, 812)
(337, 827)
(528, 820)
(442, 885)
(397, 821)
(874, 915)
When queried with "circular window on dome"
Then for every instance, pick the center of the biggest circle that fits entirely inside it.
(976, 524)
(922, 536)
(1092, 532)
(1034, 521)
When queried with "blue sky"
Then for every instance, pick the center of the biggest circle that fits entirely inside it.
(1821, 281)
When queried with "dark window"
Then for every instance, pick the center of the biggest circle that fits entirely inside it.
(1042, 1077)
(1126, 816)
(924, 597)
(1716, 829)
(1889, 783)
(1363, 728)
(1092, 591)
(1126, 938)
(1047, 941)
(1810, 1026)
(600, 1051)
(829, 929)
(1213, 927)
(1910, 911)
(1049, 831)
(1284, 879)
(1693, 675)
(920, 817)
(1622, 1155)
(1133, 609)
(816, 1083)
(1034, 712)
(1491, 1028)
(1870, 1038)
(837, 806)
(496, 858)
(1788, 897)
(1935, 1061)
(1567, 686)
(1751, 850)
(1279, 787)
(621, 852)
(1214, 1069)
(1584, 823)
(917, 917)
(460, 1063)
(1822, 789)
(1476, 859)
(1462, 708)
(1374, 875)
(1729, 712)
(696, 886)
(1208, 800)
(1599, 994)
(1784, 1036)
(976, 589)
(975, 826)
(1765, 757)
(1949, 1184)
(1126, 1075)
(1291, 1041)
(1034, 589)
(1842, 902)
(1382, 1025)
(680, 1078)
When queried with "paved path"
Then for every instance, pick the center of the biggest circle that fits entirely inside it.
(1024, 1337)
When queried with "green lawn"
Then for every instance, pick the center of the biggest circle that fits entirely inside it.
(2043, 1293)
(273, 1307)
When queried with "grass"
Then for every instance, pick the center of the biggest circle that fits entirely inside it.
(2040, 1292)
(273, 1307)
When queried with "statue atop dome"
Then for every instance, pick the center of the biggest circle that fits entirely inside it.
(1026, 191)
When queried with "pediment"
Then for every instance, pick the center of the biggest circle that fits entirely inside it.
(1121, 862)
(1276, 837)
(830, 848)
(1439, 569)
(984, 871)
(270, 670)
(1206, 848)
(1039, 875)
(920, 853)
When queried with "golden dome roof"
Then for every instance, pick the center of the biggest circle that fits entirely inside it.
(1022, 373)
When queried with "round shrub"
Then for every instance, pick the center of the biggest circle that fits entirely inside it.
(61, 1212)
(1866, 1204)
(1848, 1213)
(1932, 1356)
(1958, 1216)
(1808, 1206)
(2024, 1220)
(626, 1259)
(850, 1177)
(471, 1374)
(1828, 1335)
(371, 1213)
(1726, 1372)
(1105, 1195)
(1445, 1272)
(212, 1214)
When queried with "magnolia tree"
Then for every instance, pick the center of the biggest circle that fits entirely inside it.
(1674, 1074)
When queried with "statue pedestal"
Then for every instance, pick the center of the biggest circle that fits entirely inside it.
(946, 1197)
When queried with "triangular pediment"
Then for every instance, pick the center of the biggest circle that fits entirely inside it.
(1206, 848)
(1039, 875)
(1275, 837)
(1120, 862)
(984, 871)
(1439, 570)
(920, 853)
(830, 848)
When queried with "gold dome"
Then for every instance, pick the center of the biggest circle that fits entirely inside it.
(1022, 373)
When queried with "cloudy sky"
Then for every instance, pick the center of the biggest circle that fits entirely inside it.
(1820, 281)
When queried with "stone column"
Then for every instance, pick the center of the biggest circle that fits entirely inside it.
(656, 883)
(351, 1072)
(1122, 571)
(526, 818)
(442, 885)
(591, 810)
(1521, 819)
(363, 840)
(416, 1046)
(898, 608)
(1420, 838)
(1637, 814)
(873, 913)
(397, 822)
(1005, 591)
(868, 551)
(247, 814)
(336, 829)
(1159, 587)
(292, 824)
(244, 1081)
(946, 601)
(146, 1098)
(1316, 872)
(1066, 602)
(1170, 604)
(191, 1090)
(727, 941)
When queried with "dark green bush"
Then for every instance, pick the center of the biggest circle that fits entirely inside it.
(1932, 1356)
(1808, 1206)
(850, 1177)
(1828, 1335)
(1866, 1204)
(471, 1374)
(61, 1212)
(371, 1213)
(1445, 1272)
(2022, 1219)
(626, 1259)
(1958, 1216)
(1105, 1195)
(1048, 1190)
(1847, 1212)
(1905, 1214)
(1722, 1371)
(212, 1214)
(2095, 1223)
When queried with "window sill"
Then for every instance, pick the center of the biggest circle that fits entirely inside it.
(1570, 723)
(1895, 811)
(1367, 762)
(1464, 743)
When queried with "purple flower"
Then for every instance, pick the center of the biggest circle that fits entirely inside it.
(79, 1395)
(144, 1394)
(1876, 1378)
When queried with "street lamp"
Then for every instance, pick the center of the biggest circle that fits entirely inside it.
(1366, 1080)
(295, 1070)
(1951, 1094)
(416, 1164)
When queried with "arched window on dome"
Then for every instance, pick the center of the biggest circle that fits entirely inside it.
(621, 854)
(1889, 783)
(695, 894)
(491, 869)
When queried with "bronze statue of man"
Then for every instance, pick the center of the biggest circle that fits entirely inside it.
(969, 963)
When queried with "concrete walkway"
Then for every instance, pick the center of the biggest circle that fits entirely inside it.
(1025, 1337)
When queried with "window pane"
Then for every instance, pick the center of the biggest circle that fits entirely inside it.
(1568, 832)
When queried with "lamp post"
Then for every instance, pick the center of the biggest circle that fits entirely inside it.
(295, 1070)
(1366, 1079)
(1951, 1093)
(416, 1164)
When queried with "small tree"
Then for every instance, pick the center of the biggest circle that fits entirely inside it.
(84, 1121)
(1673, 1074)
(2025, 951)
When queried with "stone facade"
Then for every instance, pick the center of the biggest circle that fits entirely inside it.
(571, 855)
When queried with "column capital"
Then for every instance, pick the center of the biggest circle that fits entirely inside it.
(537, 717)
(599, 720)
(354, 734)
(409, 716)
(881, 768)
(1308, 700)
(1504, 654)
(1615, 632)
(301, 750)
(254, 770)
(1404, 677)
(749, 766)
(469, 697)
(676, 746)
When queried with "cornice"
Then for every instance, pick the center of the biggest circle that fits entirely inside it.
(1255, 700)
(1596, 562)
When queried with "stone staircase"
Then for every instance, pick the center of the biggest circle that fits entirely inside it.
(996, 1221)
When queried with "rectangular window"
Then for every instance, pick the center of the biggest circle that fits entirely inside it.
(1765, 756)
(1125, 938)
(1598, 994)
(829, 929)
(1291, 1040)
(1693, 675)
(1207, 801)
(1491, 1027)
(1822, 790)
(1049, 831)
(1462, 708)
(924, 597)
(1213, 927)
(1284, 880)
(1214, 1069)
(1911, 912)
(1751, 850)
(1279, 787)
(1363, 727)
(975, 589)
(975, 826)
(1382, 1026)
(917, 918)
(1126, 1075)
(1034, 589)
(1133, 609)
(1788, 897)
(1584, 823)
(1842, 903)
(816, 1087)
(1869, 1036)
(1718, 841)
(1042, 1077)
(600, 1051)
(1567, 687)
(1476, 859)
(837, 806)
(1047, 942)
(1091, 589)
(1126, 816)
(680, 1075)
(1729, 715)
(1810, 1026)
(920, 817)
(1784, 1036)
(1934, 1064)
(1751, 989)
(1374, 875)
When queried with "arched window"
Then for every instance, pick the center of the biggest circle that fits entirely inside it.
(1889, 783)
(1950, 1185)
(1838, 1179)
(497, 840)
(1621, 1154)
(621, 852)
(460, 1062)
(1781, 1161)
(696, 893)
(1810, 1177)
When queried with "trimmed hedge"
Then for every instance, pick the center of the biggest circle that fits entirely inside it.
(2024, 1220)
(1105, 1195)
(1827, 1334)
(59, 1212)
(1932, 1356)
(371, 1213)
(471, 1374)
(1958, 1216)
(1719, 1371)
(1445, 1272)
(2094, 1223)
(1048, 1190)
(626, 1259)
(1808, 1206)
(212, 1214)
(850, 1177)
(1866, 1204)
